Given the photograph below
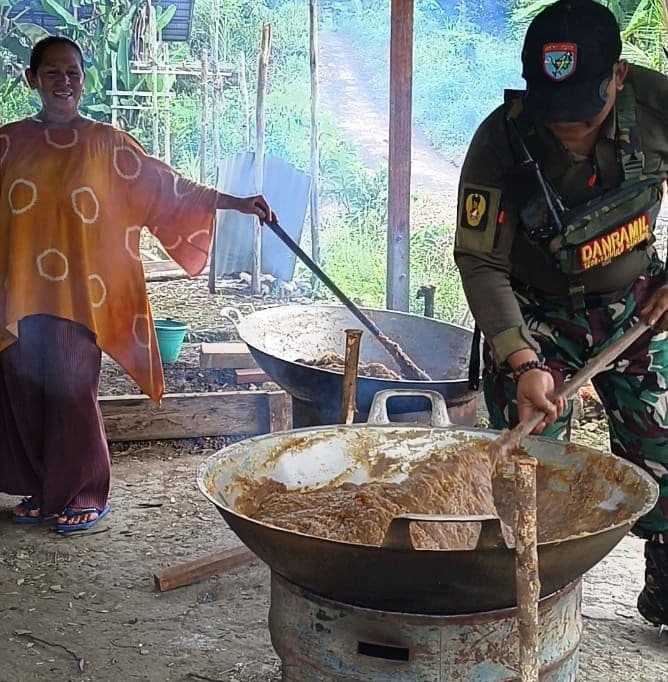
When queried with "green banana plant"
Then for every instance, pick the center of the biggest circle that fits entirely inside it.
(109, 26)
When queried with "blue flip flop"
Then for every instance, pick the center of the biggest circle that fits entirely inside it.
(30, 504)
(70, 512)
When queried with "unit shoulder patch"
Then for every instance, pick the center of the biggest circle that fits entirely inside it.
(478, 212)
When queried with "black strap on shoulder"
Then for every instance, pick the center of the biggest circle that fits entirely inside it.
(629, 140)
(474, 362)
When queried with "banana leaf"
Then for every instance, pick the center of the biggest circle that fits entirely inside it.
(55, 8)
(32, 31)
(165, 16)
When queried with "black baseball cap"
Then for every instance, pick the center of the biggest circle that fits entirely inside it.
(568, 54)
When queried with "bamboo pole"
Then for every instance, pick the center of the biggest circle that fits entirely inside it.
(217, 84)
(154, 110)
(114, 89)
(205, 116)
(243, 87)
(527, 575)
(214, 245)
(168, 117)
(260, 123)
(351, 367)
(217, 153)
(315, 149)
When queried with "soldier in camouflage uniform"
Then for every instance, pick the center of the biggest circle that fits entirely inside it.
(558, 200)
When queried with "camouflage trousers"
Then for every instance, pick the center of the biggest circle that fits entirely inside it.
(634, 392)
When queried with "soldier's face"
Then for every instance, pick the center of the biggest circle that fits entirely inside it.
(582, 129)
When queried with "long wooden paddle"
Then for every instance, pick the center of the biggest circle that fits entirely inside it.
(408, 368)
(504, 451)
(509, 440)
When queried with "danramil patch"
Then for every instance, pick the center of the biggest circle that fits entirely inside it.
(625, 238)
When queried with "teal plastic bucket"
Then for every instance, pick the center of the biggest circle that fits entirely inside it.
(170, 335)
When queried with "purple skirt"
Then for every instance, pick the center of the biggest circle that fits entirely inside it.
(52, 439)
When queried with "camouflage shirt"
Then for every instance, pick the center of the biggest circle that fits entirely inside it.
(491, 249)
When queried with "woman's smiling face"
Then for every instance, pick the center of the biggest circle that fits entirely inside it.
(59, 81)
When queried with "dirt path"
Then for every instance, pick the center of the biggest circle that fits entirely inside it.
(360, 110)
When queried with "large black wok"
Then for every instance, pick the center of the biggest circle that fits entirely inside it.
(278, 337)
(589, 500)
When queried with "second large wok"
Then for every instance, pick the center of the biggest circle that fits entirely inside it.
(590, 500)
(280, 337)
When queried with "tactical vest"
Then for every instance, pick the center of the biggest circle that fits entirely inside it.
(592, 234)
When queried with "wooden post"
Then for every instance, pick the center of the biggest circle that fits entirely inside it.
(114, 89)
(243, 87)
(351, 367)
(205, 116)
(214, 244)
(168, 132)
(527, 576)
(217, 84)
(399, 179)
(315, 149)
(154, 107)
(260, 121)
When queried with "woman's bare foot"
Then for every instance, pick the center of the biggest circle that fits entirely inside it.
(73, 518)
(29, 507)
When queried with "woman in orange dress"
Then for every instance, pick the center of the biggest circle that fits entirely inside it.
(74, 197)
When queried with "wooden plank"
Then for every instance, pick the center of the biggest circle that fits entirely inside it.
(250, 376)
(226, 355)
(280, 411)
(163, 265)
(399, 178)
(201, 569)
(187, 415)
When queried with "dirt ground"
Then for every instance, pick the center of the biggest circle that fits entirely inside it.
(85, 608)
(89, 601)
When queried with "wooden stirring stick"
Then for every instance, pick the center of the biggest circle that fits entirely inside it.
(504, 452)
(408, 367)
(511, 439)
(351, 367)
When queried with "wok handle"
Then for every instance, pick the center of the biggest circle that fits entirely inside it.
(231, 314)
(398, 535)
(378, 413)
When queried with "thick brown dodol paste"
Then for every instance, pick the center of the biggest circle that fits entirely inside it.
(460, 484)
(335, 363)
(459, 480)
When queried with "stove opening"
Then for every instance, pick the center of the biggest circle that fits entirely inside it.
(384, 651)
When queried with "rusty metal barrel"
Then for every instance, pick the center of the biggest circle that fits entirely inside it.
(321, 640)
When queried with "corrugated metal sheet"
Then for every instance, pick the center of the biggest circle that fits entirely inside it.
(177, 30)
(287, 190)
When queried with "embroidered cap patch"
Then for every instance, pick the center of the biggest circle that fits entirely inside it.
(560, 60)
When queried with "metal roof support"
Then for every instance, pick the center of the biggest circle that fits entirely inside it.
(399, 180)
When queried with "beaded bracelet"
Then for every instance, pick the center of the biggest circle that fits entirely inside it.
(527, 367)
